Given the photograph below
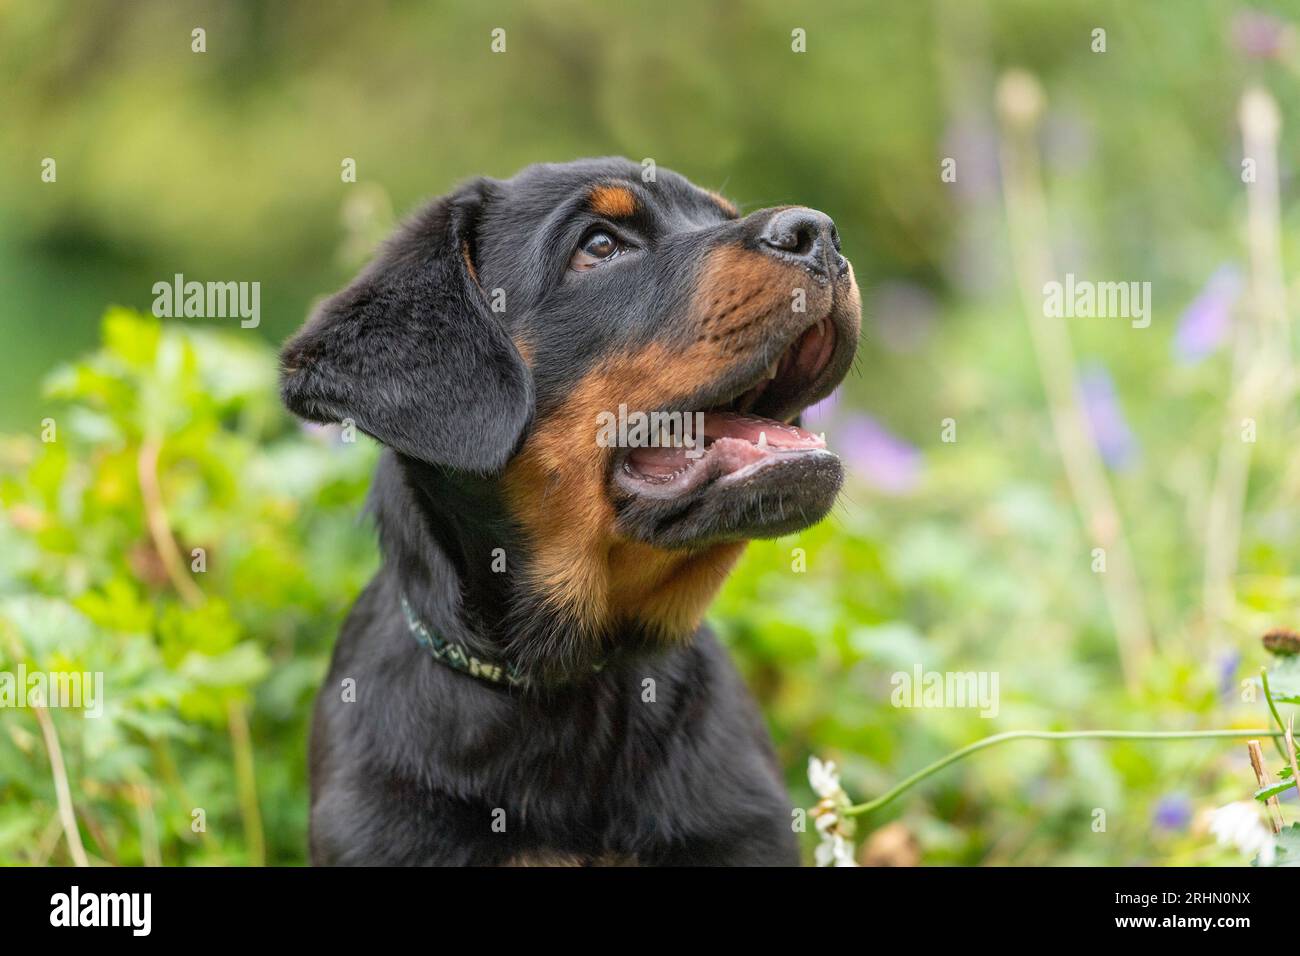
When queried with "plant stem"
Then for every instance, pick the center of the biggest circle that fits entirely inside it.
(246, 782)
(62, 790)
(898, 790)
(1020, 103)
(149, 847)
(159, 527)
(59, 770)
(1263, 779)
(1261, 374)
(1272, 707)
(1290, 752)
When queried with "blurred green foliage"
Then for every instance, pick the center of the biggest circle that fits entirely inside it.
(226, 165)
(986, 579)
(86, 589)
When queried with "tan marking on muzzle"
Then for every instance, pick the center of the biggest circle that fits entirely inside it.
(556, 485)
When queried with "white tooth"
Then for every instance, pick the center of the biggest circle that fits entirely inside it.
(762, 439)
(771, 371)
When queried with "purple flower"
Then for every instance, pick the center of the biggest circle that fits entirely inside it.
(1205, 324)
(1260, 35)
(1173, 811)
(1226, 665)
(1114, 438)
(877, 456)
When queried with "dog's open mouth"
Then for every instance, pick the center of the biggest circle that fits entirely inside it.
(750, 430)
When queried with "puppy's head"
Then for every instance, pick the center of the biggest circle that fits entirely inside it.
(565, 334)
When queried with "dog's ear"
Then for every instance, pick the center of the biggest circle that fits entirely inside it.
(410, 352)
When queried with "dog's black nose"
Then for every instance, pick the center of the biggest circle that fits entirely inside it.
(807, 237)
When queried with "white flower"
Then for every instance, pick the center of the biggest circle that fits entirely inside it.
(825, 818)
(835, 830)
(835, 851)
(1238, 825)
(825, 778)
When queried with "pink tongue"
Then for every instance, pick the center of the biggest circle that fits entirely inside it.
(732, 430)
(730, 425)
(658, 462)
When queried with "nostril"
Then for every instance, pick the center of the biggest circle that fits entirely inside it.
(791, 231)
(802, 234)
(802, 240)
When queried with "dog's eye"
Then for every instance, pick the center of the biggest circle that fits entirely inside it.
(596, 247)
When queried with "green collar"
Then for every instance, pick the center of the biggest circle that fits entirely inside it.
(458, 658)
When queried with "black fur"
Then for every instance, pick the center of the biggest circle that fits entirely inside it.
(578, 767)
(410, 352)
(412, 772)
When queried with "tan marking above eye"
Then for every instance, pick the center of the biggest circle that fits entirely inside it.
(613, 202)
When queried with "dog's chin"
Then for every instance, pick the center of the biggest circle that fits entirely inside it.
(730, 493)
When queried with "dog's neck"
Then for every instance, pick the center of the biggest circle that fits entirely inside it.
(463, 565)
(456, 556)
(438, 532)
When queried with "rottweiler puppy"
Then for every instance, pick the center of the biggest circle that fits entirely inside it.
(529, 679)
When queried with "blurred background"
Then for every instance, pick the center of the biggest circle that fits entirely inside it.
(989, 453)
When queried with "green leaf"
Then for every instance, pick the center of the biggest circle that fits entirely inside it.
(45, 626)
(1274, 789)
(132, 337)
(243, 666)
(1288, 847)
(1284, 681)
